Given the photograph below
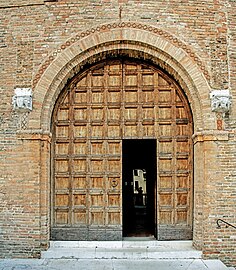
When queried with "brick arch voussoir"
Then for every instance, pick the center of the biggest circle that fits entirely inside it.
(68, 60)
(151, 30)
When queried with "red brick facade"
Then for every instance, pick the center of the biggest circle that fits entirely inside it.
(45, 43)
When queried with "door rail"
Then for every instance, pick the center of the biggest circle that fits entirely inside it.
(225, 222)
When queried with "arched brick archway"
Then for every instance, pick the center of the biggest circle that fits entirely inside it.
(135, 41)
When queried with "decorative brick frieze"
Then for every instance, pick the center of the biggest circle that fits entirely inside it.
(122, 26)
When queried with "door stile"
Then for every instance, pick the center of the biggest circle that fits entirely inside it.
(70, 154)
(174, 157)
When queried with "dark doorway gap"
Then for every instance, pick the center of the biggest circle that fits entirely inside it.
(139, 187)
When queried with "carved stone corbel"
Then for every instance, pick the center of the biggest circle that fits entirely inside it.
(220, 101)
(22, 100)
(22, 105)
(220, 104)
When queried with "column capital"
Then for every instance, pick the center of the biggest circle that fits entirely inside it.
(34, 134)
(211, 135)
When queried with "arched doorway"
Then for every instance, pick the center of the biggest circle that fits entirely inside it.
(98, 118)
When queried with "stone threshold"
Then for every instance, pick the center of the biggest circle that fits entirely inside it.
(127, 242)
(126, 249)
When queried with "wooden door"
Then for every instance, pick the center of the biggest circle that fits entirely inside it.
(103, 105)
(175, 183)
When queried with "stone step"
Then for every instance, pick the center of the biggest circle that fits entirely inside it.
(127, 243)
(156, 253)
(121, 250)
(112, 264)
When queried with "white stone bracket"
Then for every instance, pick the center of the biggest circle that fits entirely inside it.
(22, 100)
(220, 101)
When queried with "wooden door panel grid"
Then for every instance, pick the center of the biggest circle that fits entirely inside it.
(109, 102)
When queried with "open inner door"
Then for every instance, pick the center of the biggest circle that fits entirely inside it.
(139, 181)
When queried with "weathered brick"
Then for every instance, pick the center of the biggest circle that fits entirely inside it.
(45, 43)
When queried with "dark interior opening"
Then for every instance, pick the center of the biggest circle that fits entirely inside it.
(139, 185)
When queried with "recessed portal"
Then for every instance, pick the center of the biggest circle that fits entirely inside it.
(139, 181)
(102, 193)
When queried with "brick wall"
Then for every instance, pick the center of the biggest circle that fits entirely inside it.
(33, 30)
(219, 200)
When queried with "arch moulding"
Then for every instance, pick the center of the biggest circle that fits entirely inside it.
(128, 39)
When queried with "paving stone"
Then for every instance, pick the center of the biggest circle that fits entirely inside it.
(111, 264)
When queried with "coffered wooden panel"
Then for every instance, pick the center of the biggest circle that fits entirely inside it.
(111, 101)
